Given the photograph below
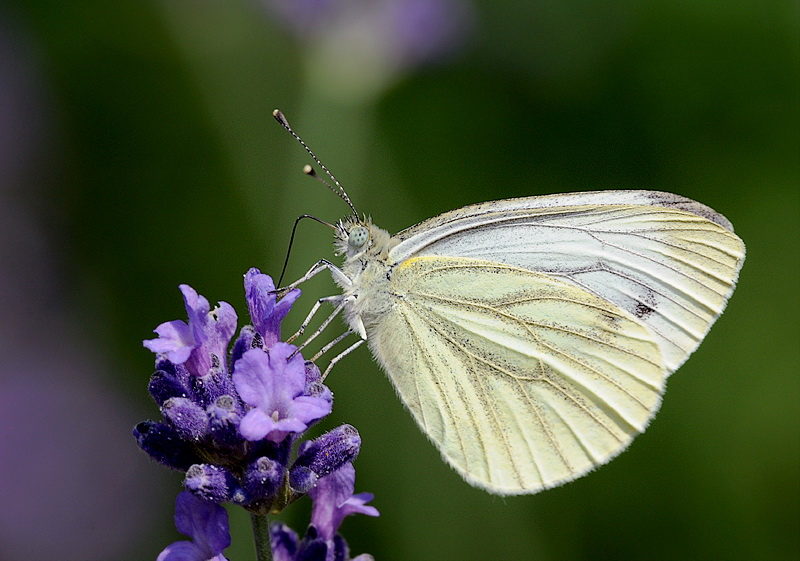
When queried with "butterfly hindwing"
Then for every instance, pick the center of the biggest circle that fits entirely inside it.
(522, 380)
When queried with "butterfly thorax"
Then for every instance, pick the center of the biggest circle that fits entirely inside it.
(368, 268)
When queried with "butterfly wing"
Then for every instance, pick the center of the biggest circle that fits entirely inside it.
(667, 260)
(523, 381)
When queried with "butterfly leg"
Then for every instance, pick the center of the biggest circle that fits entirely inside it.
(338, 275)
(338, 300)
(342, 354)
(331, 344)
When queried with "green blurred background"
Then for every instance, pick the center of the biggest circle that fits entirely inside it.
(138, 152)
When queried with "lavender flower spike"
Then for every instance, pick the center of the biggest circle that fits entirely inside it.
(273, 384)
(231, 420)
(203, 521)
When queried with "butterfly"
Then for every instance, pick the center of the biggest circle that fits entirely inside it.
(531, 339)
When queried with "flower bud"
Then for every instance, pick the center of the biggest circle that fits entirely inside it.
(164, 384)
(210, 482)
(262, 479)
(189, 419)
(165, 445)
(325, 455)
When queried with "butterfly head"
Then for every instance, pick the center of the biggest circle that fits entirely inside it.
(359, 237)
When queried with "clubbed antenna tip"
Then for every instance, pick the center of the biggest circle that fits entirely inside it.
(281, 119)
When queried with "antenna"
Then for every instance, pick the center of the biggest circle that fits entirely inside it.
(341, 192)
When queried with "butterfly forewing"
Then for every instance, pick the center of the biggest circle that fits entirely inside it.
(523, 381)
(667, 260)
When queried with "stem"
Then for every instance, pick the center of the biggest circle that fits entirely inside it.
(261, 536)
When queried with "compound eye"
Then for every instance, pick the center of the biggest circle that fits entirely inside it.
(358, 236)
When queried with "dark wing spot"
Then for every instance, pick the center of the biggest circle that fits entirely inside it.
(642, 310)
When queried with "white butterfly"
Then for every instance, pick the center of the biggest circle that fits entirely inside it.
(531, 338)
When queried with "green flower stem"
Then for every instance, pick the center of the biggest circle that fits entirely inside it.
(261, 536)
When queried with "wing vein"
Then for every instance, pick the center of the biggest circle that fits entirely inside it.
(536, 324)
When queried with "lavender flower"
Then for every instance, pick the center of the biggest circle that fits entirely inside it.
(202, 342)
(273, 384)
(265, 311)
(203, 521)
(333, 500)
(231, 425)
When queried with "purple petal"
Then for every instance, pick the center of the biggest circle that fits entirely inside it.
(174, 339)
(207, 333)
(333, 500)
(266, 379)
(265, 313)
(273, 325)
(289, 424)
(214, 330)
(293, 369)
(220, 328)
(181, 551)
(273, 386)
(335, 488)
(310, 408)
(256, 424)
(258, 289)
(284, 542)
(205, 522)
(254, 378)
(197, 309)
(357, 504)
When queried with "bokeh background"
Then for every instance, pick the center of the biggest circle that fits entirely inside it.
(137, 152)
